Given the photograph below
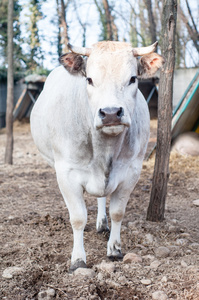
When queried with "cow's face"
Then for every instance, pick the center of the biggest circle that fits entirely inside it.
(111, 72)
(112, 89)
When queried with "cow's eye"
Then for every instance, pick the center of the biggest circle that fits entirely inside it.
(89, 80)
(132, 80)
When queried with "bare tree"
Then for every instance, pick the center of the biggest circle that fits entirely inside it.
(179, 49)
(152, 25)
(191, 16)
(108, 20)
(82, 24)
(132, 33)
(10, 88)
(62, 8)
(109, 28)
(161, 171)
(59, 49)
(114, 29)
(143, 24)
(194, 34)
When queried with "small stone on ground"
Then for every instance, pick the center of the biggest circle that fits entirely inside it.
(181, 242)
(12, 271)
(183, 264)
(108, 267)
(46, 295)
(159, 295)
(145, 281)
(155, 264)
(132, 257)
(162, 252)
(196, 202)
(149, 238)
(84, 272)
(164, 279)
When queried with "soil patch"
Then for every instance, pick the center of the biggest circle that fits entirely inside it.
(36, 235)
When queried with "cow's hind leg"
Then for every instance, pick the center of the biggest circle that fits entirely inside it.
(102, 222)
(73, 196)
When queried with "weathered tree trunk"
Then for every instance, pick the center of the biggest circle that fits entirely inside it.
(143, 25)
(152, 25)
(156, 207)
(114, 29)
(59, 49)
(10, 88)
(109, 28)
(64, 24)
(108, 20)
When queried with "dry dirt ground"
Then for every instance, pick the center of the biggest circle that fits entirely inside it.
(36, 235)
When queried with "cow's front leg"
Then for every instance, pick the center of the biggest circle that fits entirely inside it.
(118, 204)
(73, 196)
(102, 222)
(78, 219)
(117, 210)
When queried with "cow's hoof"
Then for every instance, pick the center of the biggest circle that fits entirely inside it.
(77, 264)
(103, 226)
(115, 254)
(103, 229)
(115, 257)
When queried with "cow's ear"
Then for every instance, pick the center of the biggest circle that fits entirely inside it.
(149, 64)
(73, 63)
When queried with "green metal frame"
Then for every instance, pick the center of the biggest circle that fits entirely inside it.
(185, 93)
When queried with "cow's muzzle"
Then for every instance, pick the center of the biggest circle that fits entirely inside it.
(111, 116)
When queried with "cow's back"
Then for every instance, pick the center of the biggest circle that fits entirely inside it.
(54, 112)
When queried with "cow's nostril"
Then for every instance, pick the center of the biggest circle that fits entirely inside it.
(102, 114)
(120, 112)
(111, 115)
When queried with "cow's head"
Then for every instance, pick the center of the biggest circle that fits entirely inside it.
(111, 71)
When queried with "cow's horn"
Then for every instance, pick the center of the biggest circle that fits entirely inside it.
(145, 50)
(80, 50)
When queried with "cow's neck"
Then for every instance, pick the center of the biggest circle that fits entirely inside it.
(107, 149)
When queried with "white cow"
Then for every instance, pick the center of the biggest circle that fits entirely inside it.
(91, 123)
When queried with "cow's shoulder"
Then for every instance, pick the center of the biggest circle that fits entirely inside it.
(140, 126)
(142, 111)
(61, 88)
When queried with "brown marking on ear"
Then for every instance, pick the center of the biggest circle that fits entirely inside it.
(73, 63)
(153, 62)
(149, 64)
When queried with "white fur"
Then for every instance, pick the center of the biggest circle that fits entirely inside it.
(68, 131)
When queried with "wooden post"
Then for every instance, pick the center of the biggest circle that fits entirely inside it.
(156, 207)
(10, 88)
